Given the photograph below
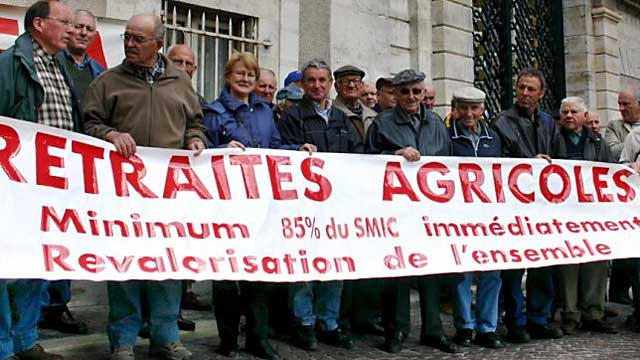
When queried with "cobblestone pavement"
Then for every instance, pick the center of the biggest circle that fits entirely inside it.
(203, 342)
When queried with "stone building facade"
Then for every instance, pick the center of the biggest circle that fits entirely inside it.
(602, 53)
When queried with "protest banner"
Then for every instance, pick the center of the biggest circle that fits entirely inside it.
(75, 209)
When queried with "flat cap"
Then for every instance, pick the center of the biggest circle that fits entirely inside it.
(348, 70)
(407, 76)
(383, 81)
(290, 93)
(469, 94)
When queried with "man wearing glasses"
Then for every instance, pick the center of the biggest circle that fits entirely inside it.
(411, 131)
(82, 69)
(348, 85)
(34, 87)
(145, 101)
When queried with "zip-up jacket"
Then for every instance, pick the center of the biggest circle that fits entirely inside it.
(393, 130)
(488, 144)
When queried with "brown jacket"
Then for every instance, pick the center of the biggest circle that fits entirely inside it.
(166, 114)
(361, 123)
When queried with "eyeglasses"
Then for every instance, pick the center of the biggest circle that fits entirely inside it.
(414, 91)
(135, 38)
(188, 64)
(345, 82)
(65, 22)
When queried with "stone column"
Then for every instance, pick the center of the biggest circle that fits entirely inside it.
(606, 59)
(578, 44)
(452, 44)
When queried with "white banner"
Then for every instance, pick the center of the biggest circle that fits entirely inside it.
(74, 209)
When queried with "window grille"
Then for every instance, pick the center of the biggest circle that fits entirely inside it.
(214, 36)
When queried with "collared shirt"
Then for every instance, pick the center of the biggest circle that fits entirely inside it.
(153, 73)
(575, 137)
(323, 113)
(56, 109)
(83, 64)
(473, 135)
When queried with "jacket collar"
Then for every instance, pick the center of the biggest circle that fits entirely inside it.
(457, 131)
(401, 117)
(232, 103)
(171, 71)
(366, 111)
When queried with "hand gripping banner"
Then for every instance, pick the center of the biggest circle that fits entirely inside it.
(72, 208)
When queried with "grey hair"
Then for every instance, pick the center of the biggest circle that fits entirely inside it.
(265, 70)
(85, 12)
(634, 92)
(582, 107)
(158, 26)
(317, 64)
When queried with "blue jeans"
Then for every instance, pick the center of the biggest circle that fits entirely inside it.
(317, 300)
(539, 296)
(125, 311)
(20, 303)
(487, 295)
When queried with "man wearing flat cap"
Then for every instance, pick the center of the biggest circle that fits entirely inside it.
(470, 136)
(348, 84)
(412, 131)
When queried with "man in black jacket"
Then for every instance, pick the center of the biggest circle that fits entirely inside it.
(527, 132)
(410, 130)
(316, 121)
(583, 286)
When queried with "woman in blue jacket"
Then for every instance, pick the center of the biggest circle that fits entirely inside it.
(241, 119)
(472, 137)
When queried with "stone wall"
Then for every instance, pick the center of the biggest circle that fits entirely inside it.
(628, 43)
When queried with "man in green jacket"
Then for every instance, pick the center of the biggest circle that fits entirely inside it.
(34, 87)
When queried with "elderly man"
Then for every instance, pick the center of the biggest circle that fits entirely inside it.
(615, 135)
(429, 99)
(118, 109)
(527, 132)
(411, 131)
(35, 87)
(183, 58)
(368, 95)
(316, 121)
(593, 121)
(583, 286)
(348, 84)
(385, 94)
(470, 136)
(266, 86)
(82, 69)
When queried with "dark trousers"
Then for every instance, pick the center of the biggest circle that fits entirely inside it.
(539, 296)
(231, 299)
(361, 303)
(396, 315)
(635, 286)
(620, 281)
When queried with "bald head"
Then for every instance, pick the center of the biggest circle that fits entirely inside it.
(143, 40)
(629, 105)
(182, 56)
(429, 99)
(593, 120)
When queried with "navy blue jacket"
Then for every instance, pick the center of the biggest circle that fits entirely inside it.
(228, 119)
(461, 145)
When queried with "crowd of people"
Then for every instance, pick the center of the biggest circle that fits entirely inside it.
(148, 100)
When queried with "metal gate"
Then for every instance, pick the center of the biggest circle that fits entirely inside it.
(510, 35)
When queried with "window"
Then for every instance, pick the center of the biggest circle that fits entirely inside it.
(214, 36)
